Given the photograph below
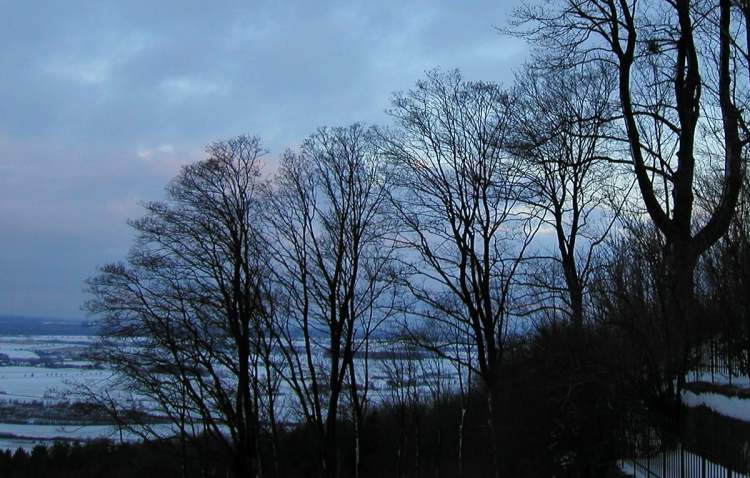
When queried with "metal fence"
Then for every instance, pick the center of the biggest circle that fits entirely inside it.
(716, 362)
(655, 454)
(678, 462)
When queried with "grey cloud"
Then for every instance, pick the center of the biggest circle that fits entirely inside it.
(102, 101)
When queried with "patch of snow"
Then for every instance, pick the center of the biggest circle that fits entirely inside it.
(731, 407)
(19, 354)
(719, 378)
(26, 383)
(27, 436)
(26, 444)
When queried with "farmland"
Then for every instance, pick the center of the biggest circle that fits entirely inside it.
(42, 375)
(41, 361)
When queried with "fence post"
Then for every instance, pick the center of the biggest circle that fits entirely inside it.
(703, 466)
(712, 360)
(682, 461)
(664, 463)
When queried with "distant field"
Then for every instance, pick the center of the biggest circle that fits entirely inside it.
(44, 362)
(14, 325)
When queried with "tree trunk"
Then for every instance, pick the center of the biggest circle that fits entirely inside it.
(417, 445)
(357, 414)
(330, 453)
(680, 320)
(491, 425)
(401, 442)
(356, 447)
(461, 423)
(576, 300)
(572, 280)
(241, 468)
(438, 458)
(274, 440)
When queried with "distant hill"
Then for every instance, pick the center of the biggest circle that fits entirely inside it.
(15, 325)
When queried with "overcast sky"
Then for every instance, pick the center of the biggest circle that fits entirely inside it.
(102, 101)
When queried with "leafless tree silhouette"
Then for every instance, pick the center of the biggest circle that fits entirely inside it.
(331, 238)
(460, 200)
(563, 135)
(184, 319)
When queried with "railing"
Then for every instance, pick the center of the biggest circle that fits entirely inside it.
(715, 363)
(677, 463)
(655, 454)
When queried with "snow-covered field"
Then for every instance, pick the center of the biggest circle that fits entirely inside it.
(47, 343)
(27, 436)
(28, 383)
(47, 369)
(66, 432)
(43, 369)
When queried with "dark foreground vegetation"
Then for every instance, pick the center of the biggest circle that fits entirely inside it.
(560, 399)
(569, 246)
(566, 397)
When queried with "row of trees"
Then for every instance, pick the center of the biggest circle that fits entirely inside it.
(480, 211)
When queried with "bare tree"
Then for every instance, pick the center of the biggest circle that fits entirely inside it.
(459, 197)
(562, 135)
(180, 318)
(328, 229)
(682, 75)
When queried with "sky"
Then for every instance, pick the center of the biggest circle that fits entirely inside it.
(101, 102)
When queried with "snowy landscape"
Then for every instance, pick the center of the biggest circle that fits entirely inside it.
(41, 378)
(37, 375)
(404, 239)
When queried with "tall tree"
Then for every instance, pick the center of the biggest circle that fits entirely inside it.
(328, 230)
(458, 195)
(180, 317)
(682, 71)
(561, 134)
